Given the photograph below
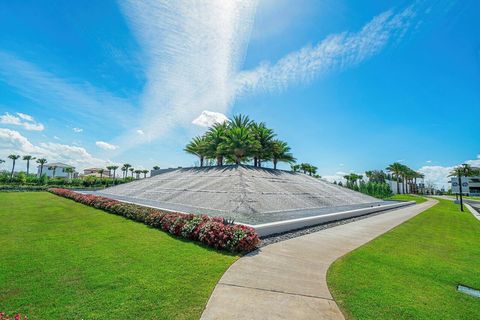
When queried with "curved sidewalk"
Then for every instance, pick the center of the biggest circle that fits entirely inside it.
(287, 280)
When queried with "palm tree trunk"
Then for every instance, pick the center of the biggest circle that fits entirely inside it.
(275, 163)
(28, 166)
(254, 161)
(201, 161)
(41, 170)
(398, 185)
(13, 169)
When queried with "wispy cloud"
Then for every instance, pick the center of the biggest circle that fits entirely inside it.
(77, 130)
(192, 50)
(336, 52)
(105, 145)
(21, 119)
(73, 96)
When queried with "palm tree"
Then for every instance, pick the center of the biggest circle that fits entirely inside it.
(54, 169)
(137, 173)
(144, 173)
(198, 147)
(264, 136)
(312, 170)
(156, 168)
(215, 140)
(126, 166)
(418, 175)
(131, 170)
(14, 158)
(41, 162)
(465, 170)
(2, 161)
(304, 167)
(295, 167)
(396, 169)
(70, 171)
(28, 158)
(240, 121)
(101, 171)
(114, 169)
(281, 152)
(239, 143)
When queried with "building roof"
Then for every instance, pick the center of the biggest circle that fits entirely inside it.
(56, 164)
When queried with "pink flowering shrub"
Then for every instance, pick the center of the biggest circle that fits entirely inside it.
(213, 232)
(4, 316)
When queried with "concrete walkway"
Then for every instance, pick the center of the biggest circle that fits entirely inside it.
(287, 280)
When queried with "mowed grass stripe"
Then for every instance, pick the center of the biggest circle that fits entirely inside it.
(412, 271)
(64, 260)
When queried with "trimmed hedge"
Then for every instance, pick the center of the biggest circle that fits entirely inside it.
(21, 188)
(212, 231)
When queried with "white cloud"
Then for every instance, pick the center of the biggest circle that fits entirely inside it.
(25, 116)
(56, 138)
(336, 52)
(140, 132)
(428, 161)
(209, 118)
(438, 175)
(12, 142)
(21, 119)
(192, 53)
(77, 130)
(105, 146)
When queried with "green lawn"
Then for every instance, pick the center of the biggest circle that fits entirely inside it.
(407, 197)
(412, 271)
(64, 260)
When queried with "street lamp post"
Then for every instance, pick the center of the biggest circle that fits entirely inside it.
(460, 185)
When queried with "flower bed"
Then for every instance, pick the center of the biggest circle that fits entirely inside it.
(213, 232)
(4, 316)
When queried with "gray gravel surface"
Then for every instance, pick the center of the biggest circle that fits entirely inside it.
(247, 194)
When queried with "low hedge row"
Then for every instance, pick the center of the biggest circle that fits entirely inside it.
(214, 232)
(20, 188)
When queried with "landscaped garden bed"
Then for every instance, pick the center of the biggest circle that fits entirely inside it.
(214, 232)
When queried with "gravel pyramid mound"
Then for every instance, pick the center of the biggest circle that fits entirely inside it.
(242, 192)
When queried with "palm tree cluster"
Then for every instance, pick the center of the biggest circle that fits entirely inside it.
(406, 175)
(239, 140)
(305, 168)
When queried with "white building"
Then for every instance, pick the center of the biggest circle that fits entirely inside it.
(470, 185)
(58, 168)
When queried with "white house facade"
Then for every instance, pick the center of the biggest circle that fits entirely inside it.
(470, 185)
(58, 168)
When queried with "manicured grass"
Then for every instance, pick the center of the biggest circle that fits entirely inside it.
(407, 197)
(412, 271)
(64, 260)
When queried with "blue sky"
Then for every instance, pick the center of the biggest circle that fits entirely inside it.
(351, 85)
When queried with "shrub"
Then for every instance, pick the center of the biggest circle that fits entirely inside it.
(215, 232)
(4, 316)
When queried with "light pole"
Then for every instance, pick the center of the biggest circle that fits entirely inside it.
(460, 184)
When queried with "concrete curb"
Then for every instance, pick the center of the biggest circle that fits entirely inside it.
(266, 229)
(475, 213)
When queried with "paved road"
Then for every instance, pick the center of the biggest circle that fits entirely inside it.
(287, 280)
